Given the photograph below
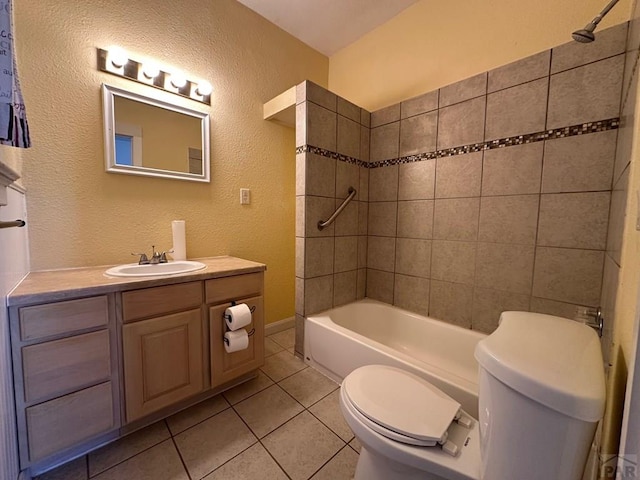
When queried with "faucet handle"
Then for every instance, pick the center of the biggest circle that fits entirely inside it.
(144, 260)
(163, 256)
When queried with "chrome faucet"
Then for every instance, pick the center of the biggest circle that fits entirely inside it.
(156, 257)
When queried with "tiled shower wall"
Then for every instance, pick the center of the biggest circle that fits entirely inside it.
(487, 195)
(484, 221)
(330, 263)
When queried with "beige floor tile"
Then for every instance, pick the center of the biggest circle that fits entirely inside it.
(127, 447)
(328, 412)
(246, 389)
(286, 338)
(308, 386)
(161, 462)
(213, 442)
(340, 467)
(74, 470)
(282, 365)
(191, 416)
(302, 446)
(254, 463)
(267, 410)
(271, 347)
(355, 444)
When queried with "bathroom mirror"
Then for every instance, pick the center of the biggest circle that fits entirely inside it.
(145, 136)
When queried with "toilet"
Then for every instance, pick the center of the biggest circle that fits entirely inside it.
(541, 395)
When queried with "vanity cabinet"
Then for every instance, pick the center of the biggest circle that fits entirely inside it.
(96, 358)
(66, 375)
(162, 355)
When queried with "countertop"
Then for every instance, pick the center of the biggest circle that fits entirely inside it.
(56, 285)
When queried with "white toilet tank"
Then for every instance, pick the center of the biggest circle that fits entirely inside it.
(541, 395)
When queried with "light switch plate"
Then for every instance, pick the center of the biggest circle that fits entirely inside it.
(245, 196)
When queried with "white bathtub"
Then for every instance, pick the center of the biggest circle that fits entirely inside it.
(368, 332)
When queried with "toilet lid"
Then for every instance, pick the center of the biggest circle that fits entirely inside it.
(401, 402)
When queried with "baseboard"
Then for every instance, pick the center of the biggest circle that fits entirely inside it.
(279, 326)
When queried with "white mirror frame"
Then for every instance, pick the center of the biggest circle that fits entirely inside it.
(108, 94)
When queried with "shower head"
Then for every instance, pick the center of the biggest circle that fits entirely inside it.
(586, 35)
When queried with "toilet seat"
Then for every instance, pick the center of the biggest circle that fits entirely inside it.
(400, 405)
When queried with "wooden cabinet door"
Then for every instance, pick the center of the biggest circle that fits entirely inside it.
(228, 366)
(162, 362)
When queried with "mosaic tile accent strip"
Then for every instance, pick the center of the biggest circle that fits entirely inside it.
(562, 132)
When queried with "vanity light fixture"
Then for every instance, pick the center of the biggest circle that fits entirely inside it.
(116, 61)
(204, 88)
(118, 57)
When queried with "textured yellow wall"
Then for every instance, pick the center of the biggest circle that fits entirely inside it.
(432, 44)
(79, 215)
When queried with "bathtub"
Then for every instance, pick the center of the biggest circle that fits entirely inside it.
(368, 332)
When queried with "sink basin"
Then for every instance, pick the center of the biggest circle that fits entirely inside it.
(170, 268)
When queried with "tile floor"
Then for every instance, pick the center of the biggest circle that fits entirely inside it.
(284, 424)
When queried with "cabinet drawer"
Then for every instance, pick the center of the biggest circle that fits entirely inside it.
(43, 321)
(155, 301)
(54, 368)
(218, 290)
(66, 421)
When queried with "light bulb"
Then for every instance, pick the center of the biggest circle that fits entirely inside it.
(178, 80)
(118, 57)
(204, 88)
(150, 70)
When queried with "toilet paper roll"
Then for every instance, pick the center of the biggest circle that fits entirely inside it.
(236, 340)
(237, 316)
(179, 240)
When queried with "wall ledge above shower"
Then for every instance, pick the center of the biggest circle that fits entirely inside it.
(282, 109)
(7, 177)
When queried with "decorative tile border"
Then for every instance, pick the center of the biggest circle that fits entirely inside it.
(562, 132)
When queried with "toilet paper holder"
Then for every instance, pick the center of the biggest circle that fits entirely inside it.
(226, 317)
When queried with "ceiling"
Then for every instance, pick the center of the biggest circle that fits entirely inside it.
(328, 25)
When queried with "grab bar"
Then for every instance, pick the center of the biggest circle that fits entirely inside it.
(352, 193)
(17, 223)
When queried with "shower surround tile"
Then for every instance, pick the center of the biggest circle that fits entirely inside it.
(412, 293)
(456, 219)
(415, 219)
(466, 89)
(505, 267)
(459, 176)
(451, 302)
(517, 110)
(383, 218)
(383, 184)
(512, 171)
(385, 142)
(521, 71)
(453, 261)
(578, 164)
(574, 220)
(380, 285)
(599, 82)
(416, 181)
(348, 137)
(385, 115)
(413, 257)
(510, 219)
(462, 123)
(417, 105)
(349, 110)
(568, 275)
(418, 134)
